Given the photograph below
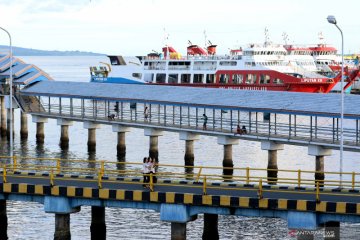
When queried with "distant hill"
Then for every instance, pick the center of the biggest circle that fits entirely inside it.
(19, 51)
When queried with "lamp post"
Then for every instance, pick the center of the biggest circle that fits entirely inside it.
(10, 95)
(331, 19)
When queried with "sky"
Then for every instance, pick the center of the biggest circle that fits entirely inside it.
(136, 27)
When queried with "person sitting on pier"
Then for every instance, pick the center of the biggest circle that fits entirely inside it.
(111, 117)
(240, 130)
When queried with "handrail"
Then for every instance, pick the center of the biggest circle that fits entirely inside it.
(297, 178)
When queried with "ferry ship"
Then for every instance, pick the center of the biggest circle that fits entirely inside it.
(257, 67)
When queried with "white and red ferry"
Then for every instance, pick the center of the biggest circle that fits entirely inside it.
(257, 67)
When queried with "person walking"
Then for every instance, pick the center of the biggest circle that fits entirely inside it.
(205, 118)
(145, 171)
(146, 113)
(153, 169)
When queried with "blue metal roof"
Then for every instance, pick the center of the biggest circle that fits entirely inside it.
(23, 73)
(261, 101)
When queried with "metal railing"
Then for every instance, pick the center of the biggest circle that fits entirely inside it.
(251, 179)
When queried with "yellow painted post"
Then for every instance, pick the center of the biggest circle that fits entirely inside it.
(204, 186)
(4, 174)
(260, 191)
(99, 180)
(102, 168)
(317, 192)
(299, 178)
(52, 178)
(198, 175)
(58, 166)
(247, 175)
(151, 182)
(14, 163)
(353, 180)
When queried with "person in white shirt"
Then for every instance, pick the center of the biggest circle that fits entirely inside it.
(145, 171)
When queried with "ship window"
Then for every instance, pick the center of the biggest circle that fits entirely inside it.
(148, 77)
(210, 78)
(264, 79)
(237, 79)
(198, 78)
(250, 79)
(160, 78)
(173, 78)
(224, 78)
(137, 75)
(278, 81)
(185, 78)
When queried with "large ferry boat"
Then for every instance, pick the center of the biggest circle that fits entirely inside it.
(257, 67)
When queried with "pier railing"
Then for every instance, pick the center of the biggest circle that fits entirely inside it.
(201, 177)
(294, 128)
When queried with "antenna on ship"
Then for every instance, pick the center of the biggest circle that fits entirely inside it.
(321, 38)
(285, 37)
(267, 39)
(205, 37)
(166, 42)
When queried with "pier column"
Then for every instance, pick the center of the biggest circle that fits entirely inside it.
(3, 220)
(227, 161)
(319, 153)
(62, 227)
(40, 135)
(189, 139)
(210, 227)
(10, 111)
(98, 226)
(3, 116)
(272, 148)
(178, 231)
(91, 135)
(23, 126)
(64, 137)
(121, 146)
(154, 135)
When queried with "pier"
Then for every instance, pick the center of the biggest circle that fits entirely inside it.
(306, 199)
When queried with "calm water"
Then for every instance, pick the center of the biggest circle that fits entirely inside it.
(28, 220)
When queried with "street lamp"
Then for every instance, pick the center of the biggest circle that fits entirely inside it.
(11, 95)
(331, 19)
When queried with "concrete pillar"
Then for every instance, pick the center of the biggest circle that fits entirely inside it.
(91, 139)
(40, 135)
(3, 116)
(62, 227)
(91, 135)
(154, 136)
(210, 227)
(178, 231)
(332, 230)
(98, 226)
(319, 168)
(319, 153)
(9, 111)
(23, 126)
(189, 153)
(3, 220)
(272, 148)
(64, 137)
(189, 139)
(227, 161)
(121, 146)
